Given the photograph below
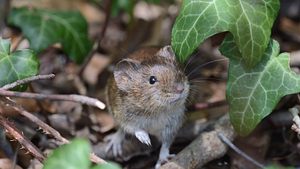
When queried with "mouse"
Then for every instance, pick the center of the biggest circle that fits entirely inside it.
(146, 96)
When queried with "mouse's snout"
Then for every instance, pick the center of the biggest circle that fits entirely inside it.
(179, 88)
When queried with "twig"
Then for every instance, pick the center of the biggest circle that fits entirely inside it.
(106, 21)
(100, 38)
(46, 128)
(4, 10)
(16, 134)
(204, 148)
(72, 97)
(237, 150)
(26, 80)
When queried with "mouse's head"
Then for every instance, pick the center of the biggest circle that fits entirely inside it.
(155, 81)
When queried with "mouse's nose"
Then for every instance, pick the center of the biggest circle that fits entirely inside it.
(179, 88)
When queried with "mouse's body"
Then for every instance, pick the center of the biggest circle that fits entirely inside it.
(147, 95)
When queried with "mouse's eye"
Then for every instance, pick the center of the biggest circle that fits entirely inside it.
(152, 79)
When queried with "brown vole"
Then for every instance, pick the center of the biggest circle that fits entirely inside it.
(147, 95)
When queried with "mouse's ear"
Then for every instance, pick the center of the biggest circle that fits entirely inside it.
(167, 52)
(123, 73)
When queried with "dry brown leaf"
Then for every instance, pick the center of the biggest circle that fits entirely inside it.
(94, 68)
(105, 121)
(219, 92)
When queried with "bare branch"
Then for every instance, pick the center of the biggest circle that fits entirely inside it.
(45, 127)
(26, 80)
(108, 7)
(73, 97)
(48, 129)
(204, 148)
(16, 134)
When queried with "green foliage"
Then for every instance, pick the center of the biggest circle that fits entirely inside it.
(153, 1)
(278, 167)
(46, 27)
(106, 166)
(253, 93)
(70, 156)
(119, 5)
(16, 65)
(74, 156)
(258, 75)
(249, 22)
(127, 6)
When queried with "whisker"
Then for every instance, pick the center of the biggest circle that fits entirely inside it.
(206, 79)
(195, 90)
(188, 101)
(204, 64)
(190, 60)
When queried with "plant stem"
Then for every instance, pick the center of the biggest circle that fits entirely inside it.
(240, 152)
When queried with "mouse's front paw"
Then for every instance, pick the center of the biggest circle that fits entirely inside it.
(163, 160)
(114, 144)
(143, 137)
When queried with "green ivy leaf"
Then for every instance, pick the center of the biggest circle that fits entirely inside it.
(17, 65)
(46, 27)
(253, 93)
(250, 23)
(278, 167)
(70, 156)
(119, 5)
(107, 166)
(153, 1)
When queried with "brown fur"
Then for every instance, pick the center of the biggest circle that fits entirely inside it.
(155, 108)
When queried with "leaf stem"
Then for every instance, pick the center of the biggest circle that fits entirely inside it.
(237, 150)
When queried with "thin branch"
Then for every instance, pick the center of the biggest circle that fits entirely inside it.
(46, 128)
(4, 10)
(73, 97)
(16, 134)
(237, 150)
(106, 21)
(26, 80)
(100, 38)
(205, 148)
